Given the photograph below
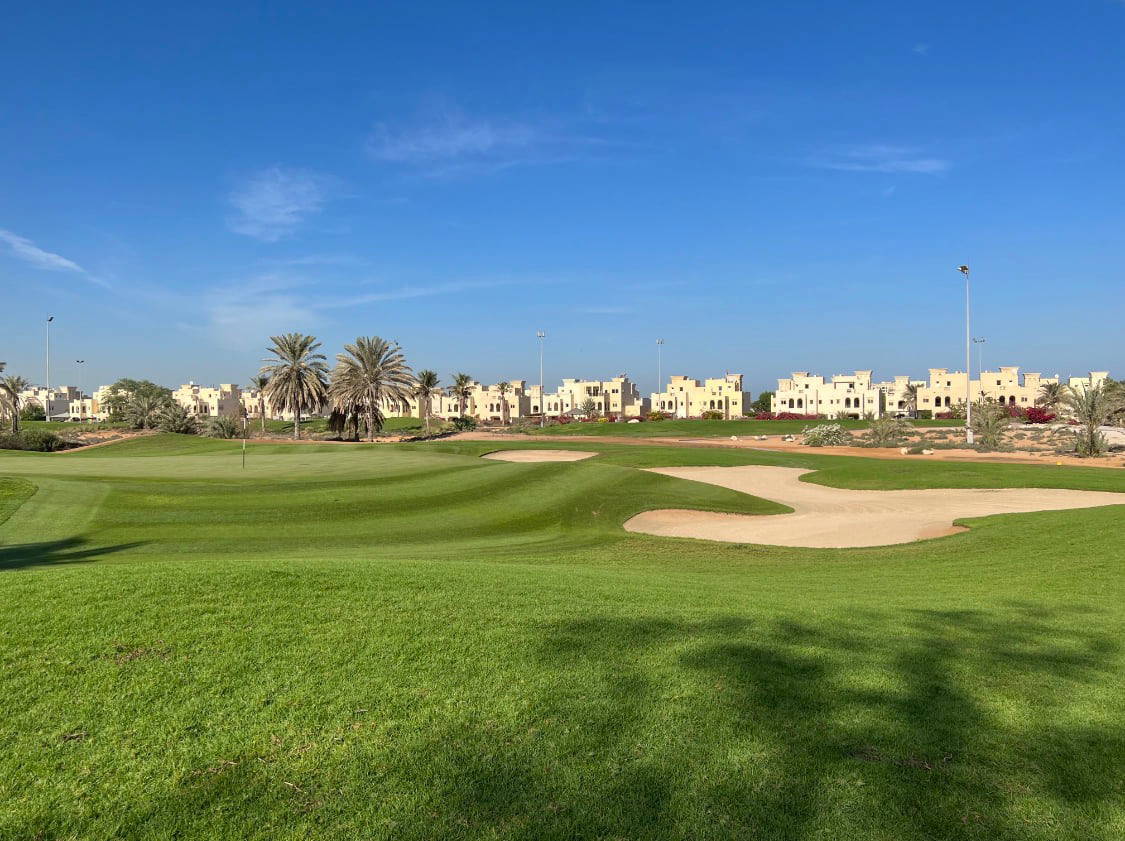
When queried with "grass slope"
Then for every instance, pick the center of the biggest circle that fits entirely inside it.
(408, 642)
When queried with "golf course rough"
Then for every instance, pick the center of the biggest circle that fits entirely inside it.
(412, 642)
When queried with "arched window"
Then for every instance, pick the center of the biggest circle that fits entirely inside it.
(800, 403)
(790, 402)
(847, 402)
(712, 404)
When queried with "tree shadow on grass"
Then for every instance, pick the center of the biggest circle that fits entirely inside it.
(70, 550)
(897, 724)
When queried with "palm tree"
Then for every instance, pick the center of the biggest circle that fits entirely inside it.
(143, 409)
(260, 382)
(462, 390)
(424, 385)
(297, 376)
(369, 372)
(1051, 395)
(10, 389)
(503, 387)
(1092, 408)
(910, 398)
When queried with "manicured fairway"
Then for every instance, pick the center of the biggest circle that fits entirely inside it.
(412, 642)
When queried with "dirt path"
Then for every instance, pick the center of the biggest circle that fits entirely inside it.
(837, 517)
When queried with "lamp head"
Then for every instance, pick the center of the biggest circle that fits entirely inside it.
(963, 269)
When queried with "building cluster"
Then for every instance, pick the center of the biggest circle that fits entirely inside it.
(853, 395)
(856, 396)
(617, 396)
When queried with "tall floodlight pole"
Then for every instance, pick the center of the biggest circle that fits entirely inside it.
(659, 363)
(47, 398)
(968, 362)
(541, 335)
(978, 341)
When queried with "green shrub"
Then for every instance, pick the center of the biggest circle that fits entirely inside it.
(464, 423)
(657, 416)
(990, 421)
(887, 432)
(175, 418)
(35, 440)
(924, 414)
(222, 427)
(33, 412)
(826, 435)
(712, 414)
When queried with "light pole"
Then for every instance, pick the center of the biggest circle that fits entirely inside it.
(968, 363)
(978, 341)
(659, 363)
(541, 335)
(50, 319)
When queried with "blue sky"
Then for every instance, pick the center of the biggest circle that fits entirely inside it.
(768, 187)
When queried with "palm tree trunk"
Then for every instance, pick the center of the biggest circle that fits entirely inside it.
(369, 418)
(297, 425)
(262, 415)
(426, 413)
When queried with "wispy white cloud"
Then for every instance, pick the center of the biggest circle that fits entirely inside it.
(447, 141)
(921, 49)
(881, 158)
(24, 249)
(29, 252)
(271, 204)
(239, 315)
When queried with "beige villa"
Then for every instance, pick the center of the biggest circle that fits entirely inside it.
(688, 398)
(843, 396)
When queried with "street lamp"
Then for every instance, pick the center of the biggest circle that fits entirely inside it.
(50, 318)
(659, 362)
(968, 363)
(978, 341)
(541, 335)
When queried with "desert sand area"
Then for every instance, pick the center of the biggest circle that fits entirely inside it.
(539, 455)
(826, 517)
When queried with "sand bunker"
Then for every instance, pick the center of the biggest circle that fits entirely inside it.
(836, 517)
(539, 455)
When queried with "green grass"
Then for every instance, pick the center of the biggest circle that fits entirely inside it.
(409, 642)
(709, 428)
(320, 426)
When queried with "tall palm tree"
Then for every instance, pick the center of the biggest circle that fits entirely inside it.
(260, 382)
(424, 384)
(910, 398)
(10, 389)
(504, 387)
(1051, 395)
(369, 372)
(1092, 407)
(297, 376)
(462, 390)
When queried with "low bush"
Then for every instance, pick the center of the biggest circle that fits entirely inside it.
(604, 419)
(657, 416)
(712, 414)
(924, 414)
(1037, 414)
(33, 412)
(826, 435)
(221, 426)
(34, 440)
(464, 423)
(887, 432)
(175, 418)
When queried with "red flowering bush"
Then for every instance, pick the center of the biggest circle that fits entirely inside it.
(763, 416)
(1014, 411)
(611, 418)
(565, 419)
(1037, 414)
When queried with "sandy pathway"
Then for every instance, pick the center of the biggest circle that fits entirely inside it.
(539, 455)
(837, 517)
